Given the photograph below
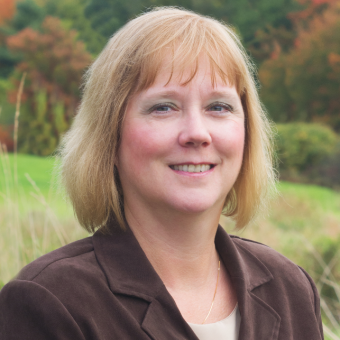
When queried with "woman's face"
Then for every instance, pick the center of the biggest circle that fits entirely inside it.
(181, 146)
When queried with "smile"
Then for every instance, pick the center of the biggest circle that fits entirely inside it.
(192, 167)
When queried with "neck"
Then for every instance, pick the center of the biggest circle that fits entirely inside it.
(180, 247)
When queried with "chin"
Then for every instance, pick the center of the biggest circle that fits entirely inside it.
(195, 206)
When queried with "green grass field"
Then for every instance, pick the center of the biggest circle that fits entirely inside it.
(39, 169)
(34, 178)
(303, 223)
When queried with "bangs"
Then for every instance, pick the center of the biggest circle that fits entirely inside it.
(183, 51)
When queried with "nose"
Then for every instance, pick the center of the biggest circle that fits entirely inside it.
(194, 131)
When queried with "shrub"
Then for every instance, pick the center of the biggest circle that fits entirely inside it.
(302, 148)
(6, 137)
(54, 62)
(327, 172)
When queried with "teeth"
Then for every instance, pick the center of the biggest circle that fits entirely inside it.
(192, 167)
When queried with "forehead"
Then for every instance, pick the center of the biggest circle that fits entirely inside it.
(170, 81)
(202, 71)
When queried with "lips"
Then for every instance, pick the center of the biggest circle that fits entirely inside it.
(192, 167)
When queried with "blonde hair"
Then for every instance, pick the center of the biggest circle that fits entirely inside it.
(129, 63)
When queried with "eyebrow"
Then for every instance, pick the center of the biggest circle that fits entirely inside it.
(224, 94)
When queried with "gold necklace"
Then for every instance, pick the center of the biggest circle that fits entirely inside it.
(218, 275)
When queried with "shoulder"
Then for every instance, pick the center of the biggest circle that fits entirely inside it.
(71, 269)
(287, 275)
(52, 288)
(268, 256)
(42, 302)
(71, 256)
(276, 263)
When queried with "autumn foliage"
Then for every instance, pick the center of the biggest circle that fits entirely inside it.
(304, 84)
(7, 10)
(54, 62)
(312, 9)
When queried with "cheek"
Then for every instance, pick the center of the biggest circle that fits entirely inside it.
(141, 143)
(230, 142)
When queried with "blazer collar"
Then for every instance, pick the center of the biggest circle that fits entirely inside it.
(129, 272)
(258, 319)
(125, 264)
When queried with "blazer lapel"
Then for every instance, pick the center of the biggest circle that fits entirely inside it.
(129, 272)
(258, 319)
(164, 321)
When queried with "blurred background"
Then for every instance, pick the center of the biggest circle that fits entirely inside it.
(45, 47)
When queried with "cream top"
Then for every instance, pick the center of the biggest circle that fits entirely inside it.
(226, 329)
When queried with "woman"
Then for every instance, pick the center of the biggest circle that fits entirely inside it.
(170, 134)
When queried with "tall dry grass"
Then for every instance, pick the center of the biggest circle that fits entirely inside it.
(29, 226)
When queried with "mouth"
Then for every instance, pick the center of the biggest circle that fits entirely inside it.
(192, 167)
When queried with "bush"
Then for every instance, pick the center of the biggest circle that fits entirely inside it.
(54, 62)
(7, 109)
(327, 172)
(6, 137)
(306, 152)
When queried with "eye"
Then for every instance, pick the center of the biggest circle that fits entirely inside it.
(220, 107)
(162, 108)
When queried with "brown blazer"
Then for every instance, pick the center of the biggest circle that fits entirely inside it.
(103, 288)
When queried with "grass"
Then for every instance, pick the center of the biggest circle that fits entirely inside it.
(34, 219)
(303, 223)
(323, 198)
(39, 169)
(34, 176)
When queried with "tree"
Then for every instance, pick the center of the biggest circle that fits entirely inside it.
(107, 16)
(309, 75)
(72, 15)
(54, 61)
(311, 9)
(7, 59)
(260, 23)
(7, 10)
(27, 14)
